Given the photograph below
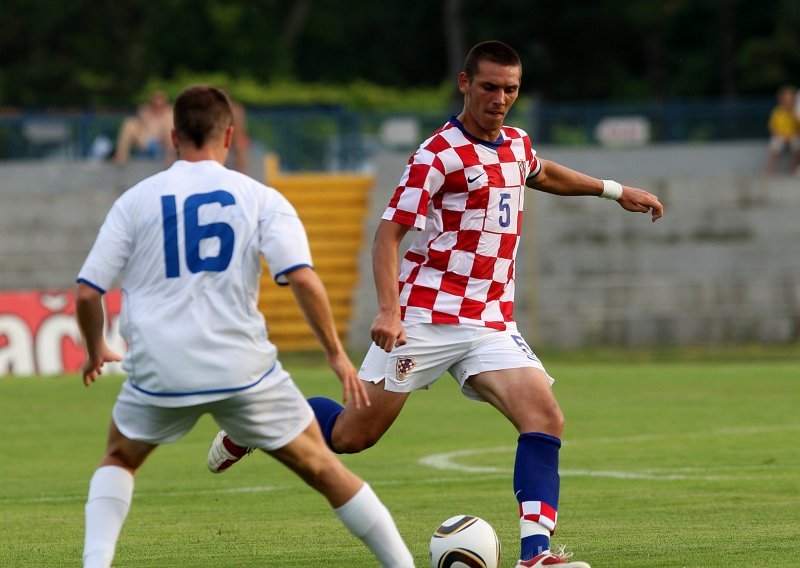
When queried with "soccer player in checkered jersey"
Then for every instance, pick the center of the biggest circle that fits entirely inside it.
(185, 244)
(462, 190)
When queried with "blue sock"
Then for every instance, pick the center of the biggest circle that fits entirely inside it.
(536, 486)
(326, 411)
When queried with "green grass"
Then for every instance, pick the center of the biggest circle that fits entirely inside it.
(666, 464)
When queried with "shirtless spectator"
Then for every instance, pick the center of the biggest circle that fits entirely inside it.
(148, 132)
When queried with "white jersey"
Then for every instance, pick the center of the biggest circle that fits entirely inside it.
(184, 245)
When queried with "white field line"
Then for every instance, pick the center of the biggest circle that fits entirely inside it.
(150, 494)
(233, 490)
(448, 462)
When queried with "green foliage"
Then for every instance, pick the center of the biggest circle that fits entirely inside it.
(358, 95)
(569, 135)
(363, 52)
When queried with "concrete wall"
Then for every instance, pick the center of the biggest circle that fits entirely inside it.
(50, 212)
(722, 266)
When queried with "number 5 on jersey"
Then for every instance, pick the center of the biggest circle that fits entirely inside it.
(194, 234)
(502, 210)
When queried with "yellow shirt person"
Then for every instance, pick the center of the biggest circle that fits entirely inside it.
(784, 128)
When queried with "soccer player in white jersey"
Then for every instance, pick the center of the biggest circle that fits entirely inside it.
(463, 191)
(185, 246)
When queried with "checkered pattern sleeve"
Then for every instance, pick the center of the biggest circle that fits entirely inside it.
(422, 178)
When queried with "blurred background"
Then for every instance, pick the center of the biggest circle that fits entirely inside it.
(672, 95)
(696, 70)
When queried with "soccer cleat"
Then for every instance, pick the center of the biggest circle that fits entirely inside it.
(553, 558)
(223, 453)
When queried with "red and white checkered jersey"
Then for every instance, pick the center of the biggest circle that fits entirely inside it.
(465, 196)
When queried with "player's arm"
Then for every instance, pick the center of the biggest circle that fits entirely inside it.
(91, 321)
(312, 298)
(387, 328)
(561, 180)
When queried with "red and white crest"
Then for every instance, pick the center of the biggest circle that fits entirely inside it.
(404, 367)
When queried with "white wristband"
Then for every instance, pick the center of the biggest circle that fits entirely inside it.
(611, 190)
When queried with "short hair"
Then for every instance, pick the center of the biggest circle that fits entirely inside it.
(494, 51)
(201, 113)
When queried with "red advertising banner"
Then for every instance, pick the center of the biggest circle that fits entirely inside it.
(39, 334)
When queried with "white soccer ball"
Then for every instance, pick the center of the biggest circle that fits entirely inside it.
(464, 541)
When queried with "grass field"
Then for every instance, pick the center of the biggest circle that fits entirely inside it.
(666, 464)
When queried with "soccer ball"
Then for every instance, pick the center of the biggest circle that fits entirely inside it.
(464, 541)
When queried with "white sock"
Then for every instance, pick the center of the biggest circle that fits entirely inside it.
(110, 493)
(370, 520)
(531, 528)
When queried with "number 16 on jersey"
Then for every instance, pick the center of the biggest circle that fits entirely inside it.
(195, 234)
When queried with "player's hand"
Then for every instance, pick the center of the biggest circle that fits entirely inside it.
(352, 387)
(641, 201)
(387, 331)
(93, 366)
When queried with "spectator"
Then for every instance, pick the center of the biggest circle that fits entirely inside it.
(148, 132)
(784, 128)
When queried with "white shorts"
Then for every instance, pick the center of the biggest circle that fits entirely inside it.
(461, 350)
(267, 418)
(778, 143)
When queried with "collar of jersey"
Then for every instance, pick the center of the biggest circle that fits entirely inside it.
(207, 163)
(494, 145)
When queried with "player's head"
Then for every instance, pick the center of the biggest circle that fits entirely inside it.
(494, 51)
(202, 115)
(490, 84)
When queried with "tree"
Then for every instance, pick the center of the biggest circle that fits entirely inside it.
(104, 52)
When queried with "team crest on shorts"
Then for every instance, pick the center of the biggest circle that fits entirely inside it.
(404, 367)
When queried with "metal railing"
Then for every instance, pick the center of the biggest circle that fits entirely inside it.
(336, 139)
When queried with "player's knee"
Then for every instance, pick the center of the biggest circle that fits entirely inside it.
(556, 422)
(553, 420)
(353, 442)
(320, 472)
(547, 419)
(121, 459)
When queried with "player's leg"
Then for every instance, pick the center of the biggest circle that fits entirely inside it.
(278, 420)
(523, 394)
(353, 501)
(110, 494)
(136, 430)
(389, 378)
(348, 429)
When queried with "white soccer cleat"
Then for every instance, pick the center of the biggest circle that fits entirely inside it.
(223, 453)
(553, 558)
